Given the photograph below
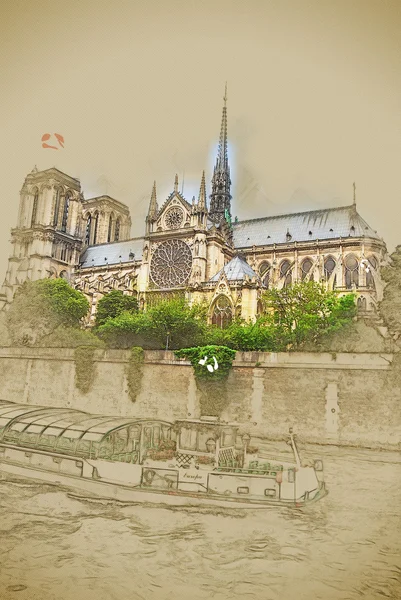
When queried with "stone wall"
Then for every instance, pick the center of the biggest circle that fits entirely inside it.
(329, 398)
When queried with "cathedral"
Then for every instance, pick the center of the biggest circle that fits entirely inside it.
(195, 249)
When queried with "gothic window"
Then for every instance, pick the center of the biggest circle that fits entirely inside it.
(117, 231)
(222, 312)
(56, 208)
(63, 253)
(65, 212)
(370, 282)
(95, 226)
(306, 267)
(174, 218)
(35, 208)
(329, 266)
(171, 264)
(88, 230)
(110, 227)
(285, 271)
(351, 271)
(264, 272)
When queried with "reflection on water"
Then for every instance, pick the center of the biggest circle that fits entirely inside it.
(55, 545)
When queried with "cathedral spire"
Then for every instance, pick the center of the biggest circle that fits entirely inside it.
(176, 183)
(222, 156)
(220, 198)
(202, 193)
(153, 203)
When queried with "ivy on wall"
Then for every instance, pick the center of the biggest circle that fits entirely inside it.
(212, 384)
(85, 368)
(135, 372)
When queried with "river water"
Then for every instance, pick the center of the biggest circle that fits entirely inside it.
(345, 547)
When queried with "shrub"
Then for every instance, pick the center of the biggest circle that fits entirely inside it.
(114, 304)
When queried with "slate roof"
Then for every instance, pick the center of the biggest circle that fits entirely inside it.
(323, 224)
(115, 252)
(235, 270)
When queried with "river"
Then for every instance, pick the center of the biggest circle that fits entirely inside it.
(345, 547)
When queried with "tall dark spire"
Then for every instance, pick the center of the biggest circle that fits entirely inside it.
(220, 198)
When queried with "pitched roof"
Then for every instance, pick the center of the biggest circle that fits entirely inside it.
(113, 253)
(323, 224)
(235, 270)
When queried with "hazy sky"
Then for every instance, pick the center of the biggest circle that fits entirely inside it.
(136, 87)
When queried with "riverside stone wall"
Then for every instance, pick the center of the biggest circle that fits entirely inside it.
(329, 398)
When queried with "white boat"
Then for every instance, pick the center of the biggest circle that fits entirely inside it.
(187, 463)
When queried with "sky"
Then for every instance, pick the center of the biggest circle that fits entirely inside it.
(136, 89)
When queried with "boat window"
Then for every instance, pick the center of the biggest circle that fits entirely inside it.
(203, 439)
(28, 438)
(227, 438)
(291, 475)
(156, 436)
(188, 439)
(242, 490)
(147, 437)
(83, 447)
(271, 493)
(166, 433)
(64, 443)
(47, 440)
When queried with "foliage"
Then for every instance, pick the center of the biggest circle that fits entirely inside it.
(5, 339)
(185, 325)
(212, 385)
(85, 371)
(70, 337)
(113, 304)
(304, 312)
(135, 372)
(224, 357)
(39, 307)
(390, 306)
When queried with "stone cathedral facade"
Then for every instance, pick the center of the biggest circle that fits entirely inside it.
(193, 248)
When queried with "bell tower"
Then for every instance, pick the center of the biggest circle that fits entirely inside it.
(48, 237)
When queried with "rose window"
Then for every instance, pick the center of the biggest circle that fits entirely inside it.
(171, 264)
(174, 218)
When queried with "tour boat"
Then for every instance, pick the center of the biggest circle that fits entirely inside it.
(186, 463)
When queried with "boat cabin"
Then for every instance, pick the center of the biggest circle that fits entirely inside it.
(205, 441)
(76, 433)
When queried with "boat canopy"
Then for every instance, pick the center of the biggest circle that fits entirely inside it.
(23, 423)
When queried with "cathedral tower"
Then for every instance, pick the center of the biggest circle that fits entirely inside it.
(220, 198)
(47, 240)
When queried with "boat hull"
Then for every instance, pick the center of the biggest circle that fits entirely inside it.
(123, 493)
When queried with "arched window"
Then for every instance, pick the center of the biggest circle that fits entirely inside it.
(56, 208)
(117, 231)
(88, 230)
(329, 266)
(351, 271)
(285, 270)
(96, 223)
(264, 272)
(306, 266)
(222, 312)
(110, 228)
(370, 282)
(35, 208)
(65, 212)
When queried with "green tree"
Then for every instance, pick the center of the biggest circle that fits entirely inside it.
(390, 306)
(183, 325)
(40, 307)
(114, 304)
(304, 312)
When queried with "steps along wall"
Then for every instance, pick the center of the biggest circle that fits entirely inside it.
(328, 398)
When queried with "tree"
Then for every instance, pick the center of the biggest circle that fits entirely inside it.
(304, 312)
(113, 304)
(390, 306)
(40, 307)
(173, 319)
